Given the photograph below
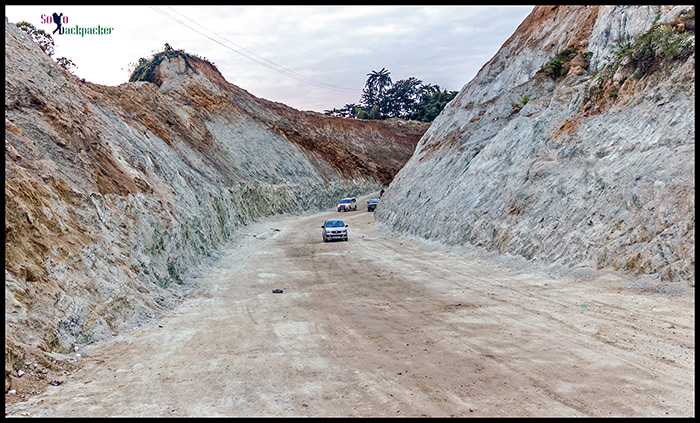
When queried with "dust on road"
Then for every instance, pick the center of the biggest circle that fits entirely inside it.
(382, 326)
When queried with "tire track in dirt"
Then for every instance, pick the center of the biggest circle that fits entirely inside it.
(382, 326)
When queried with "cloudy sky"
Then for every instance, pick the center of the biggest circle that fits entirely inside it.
(308, 57)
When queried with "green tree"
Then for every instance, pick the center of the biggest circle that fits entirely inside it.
(433, 100)
(375, 87)
(428, 90)
(405, 99)
(371, 113)
(401, 100)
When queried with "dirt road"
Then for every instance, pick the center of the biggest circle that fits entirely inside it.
(380, 326)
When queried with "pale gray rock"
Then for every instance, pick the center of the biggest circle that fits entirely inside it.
(607, 188)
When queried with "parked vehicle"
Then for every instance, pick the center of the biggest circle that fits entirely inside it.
(334, 229)
(347, 204)
(372, 204)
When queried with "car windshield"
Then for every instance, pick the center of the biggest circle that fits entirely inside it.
(373, 200)
(334, 224)
(345, 200)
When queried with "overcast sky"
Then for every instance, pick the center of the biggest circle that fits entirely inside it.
(308, 57)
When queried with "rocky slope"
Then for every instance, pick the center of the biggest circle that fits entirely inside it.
(573, 146)
(113, 195)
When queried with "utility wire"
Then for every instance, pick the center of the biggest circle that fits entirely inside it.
(252, 56)
(281, 68)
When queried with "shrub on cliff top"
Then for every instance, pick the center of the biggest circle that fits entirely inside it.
(144, 69)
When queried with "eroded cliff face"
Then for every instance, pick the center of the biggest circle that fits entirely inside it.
(114, 195)
(593, 168)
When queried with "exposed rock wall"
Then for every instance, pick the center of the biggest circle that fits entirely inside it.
(597, 169)
(113, 193)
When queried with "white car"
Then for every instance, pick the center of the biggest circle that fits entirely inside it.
(334, 229)
(347, 204)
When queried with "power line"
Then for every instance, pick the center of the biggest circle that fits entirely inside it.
(252, 56)
(279, 67)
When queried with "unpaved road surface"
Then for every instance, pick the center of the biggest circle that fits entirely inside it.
(381, 326)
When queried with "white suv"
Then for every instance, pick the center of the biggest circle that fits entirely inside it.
(347, 204)
(334, 229)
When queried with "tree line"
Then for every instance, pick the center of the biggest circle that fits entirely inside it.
(408, 99)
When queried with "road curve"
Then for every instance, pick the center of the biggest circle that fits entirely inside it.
(383, 326)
